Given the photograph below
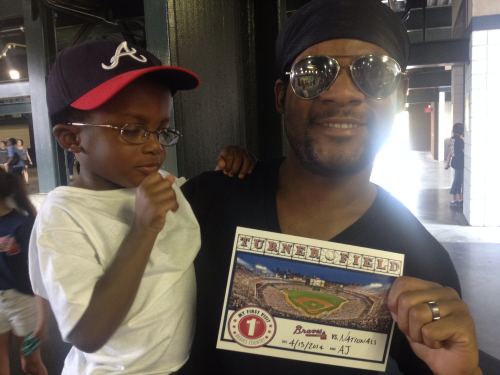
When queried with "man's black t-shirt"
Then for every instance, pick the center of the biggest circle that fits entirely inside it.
(221, 204)
(15, 231)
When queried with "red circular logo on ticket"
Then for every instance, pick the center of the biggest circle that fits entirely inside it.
(252, 327)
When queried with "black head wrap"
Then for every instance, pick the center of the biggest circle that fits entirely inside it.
(320, 20)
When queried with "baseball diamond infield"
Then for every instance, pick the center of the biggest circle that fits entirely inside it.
(314, 304)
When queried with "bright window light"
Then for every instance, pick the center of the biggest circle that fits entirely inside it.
(14, 74)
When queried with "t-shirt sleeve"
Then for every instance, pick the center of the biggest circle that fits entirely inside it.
(64, 270)
(10, 152)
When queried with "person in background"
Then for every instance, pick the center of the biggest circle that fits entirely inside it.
(3, 155)
(21, 314)
(14, 163)
(456, 155)
(25, 157)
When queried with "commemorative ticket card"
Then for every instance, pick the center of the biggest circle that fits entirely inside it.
(309, 300)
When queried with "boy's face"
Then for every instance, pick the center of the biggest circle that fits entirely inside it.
(2, 144)
(108, 161)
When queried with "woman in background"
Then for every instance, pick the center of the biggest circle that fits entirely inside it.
(456, 155)
(21, 314)
(4, 156)
(25, 157)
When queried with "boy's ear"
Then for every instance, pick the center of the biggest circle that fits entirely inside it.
(68, 137)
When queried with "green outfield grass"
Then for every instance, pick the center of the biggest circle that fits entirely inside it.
(318, 304)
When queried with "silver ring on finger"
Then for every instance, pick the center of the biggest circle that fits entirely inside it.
(434, 309)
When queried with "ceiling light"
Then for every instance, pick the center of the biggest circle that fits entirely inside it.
(14, 74)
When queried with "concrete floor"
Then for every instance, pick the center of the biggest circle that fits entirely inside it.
(422, 184)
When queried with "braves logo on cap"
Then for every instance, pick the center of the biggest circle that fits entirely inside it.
(121, 51)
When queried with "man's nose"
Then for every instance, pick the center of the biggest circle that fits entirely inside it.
(343, 90)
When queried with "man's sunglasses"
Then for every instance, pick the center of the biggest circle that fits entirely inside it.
(376, 76)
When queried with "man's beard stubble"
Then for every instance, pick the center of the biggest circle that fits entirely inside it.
(337, 165)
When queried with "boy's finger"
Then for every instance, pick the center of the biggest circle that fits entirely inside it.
(170, 178)
(253, 161)
(228, 161)
(238, 159)
(245, 164)
(221, 163)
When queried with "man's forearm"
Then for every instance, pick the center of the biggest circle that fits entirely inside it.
(114, 292)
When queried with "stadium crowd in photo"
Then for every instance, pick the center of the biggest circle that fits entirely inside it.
(288, 294)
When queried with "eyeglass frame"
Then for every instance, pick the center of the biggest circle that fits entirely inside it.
(147, 134)
(356, 57)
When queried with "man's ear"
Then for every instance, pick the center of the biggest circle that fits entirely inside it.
(402, 93)
(68, 137)
(280, 94)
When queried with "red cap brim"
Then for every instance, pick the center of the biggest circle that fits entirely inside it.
(175, 79)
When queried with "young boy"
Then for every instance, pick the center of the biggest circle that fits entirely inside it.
(113, 253)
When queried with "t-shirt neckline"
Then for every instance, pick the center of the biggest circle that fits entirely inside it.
(272, 209)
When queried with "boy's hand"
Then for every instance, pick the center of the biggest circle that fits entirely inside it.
(154, 198)
(447, 345)
(234, 160)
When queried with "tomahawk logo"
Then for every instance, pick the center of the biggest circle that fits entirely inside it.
(121, 51)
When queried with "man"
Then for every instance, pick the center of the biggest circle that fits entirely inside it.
(322, 191)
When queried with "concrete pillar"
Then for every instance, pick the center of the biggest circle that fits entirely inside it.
(40, 50)
(482, 173)
(214, 39)
(445, 126)
(158, 43)
(457, 93)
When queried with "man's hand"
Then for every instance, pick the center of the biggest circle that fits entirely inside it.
(234, 160)
(154, 198)
(448, 345)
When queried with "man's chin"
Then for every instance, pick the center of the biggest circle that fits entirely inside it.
(335, 169)
(336, 165)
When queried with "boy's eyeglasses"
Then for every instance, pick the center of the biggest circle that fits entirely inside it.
(138, 133)
(376, 76)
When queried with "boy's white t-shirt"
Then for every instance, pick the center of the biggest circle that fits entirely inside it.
(76, 235)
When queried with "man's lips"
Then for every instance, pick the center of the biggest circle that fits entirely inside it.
(343, 127)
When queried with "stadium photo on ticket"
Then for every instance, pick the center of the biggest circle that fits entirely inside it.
(309, 300)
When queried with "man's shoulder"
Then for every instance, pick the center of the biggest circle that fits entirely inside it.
(396, 224)
(215, 181)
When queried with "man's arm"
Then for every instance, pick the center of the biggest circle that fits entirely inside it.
(447, 345)
(114, 293)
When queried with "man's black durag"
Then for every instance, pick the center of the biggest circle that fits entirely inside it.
(320, 20)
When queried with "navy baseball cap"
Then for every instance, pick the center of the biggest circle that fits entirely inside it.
(87, 75)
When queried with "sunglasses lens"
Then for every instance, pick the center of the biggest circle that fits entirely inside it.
(313, 75)
(376, 76)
